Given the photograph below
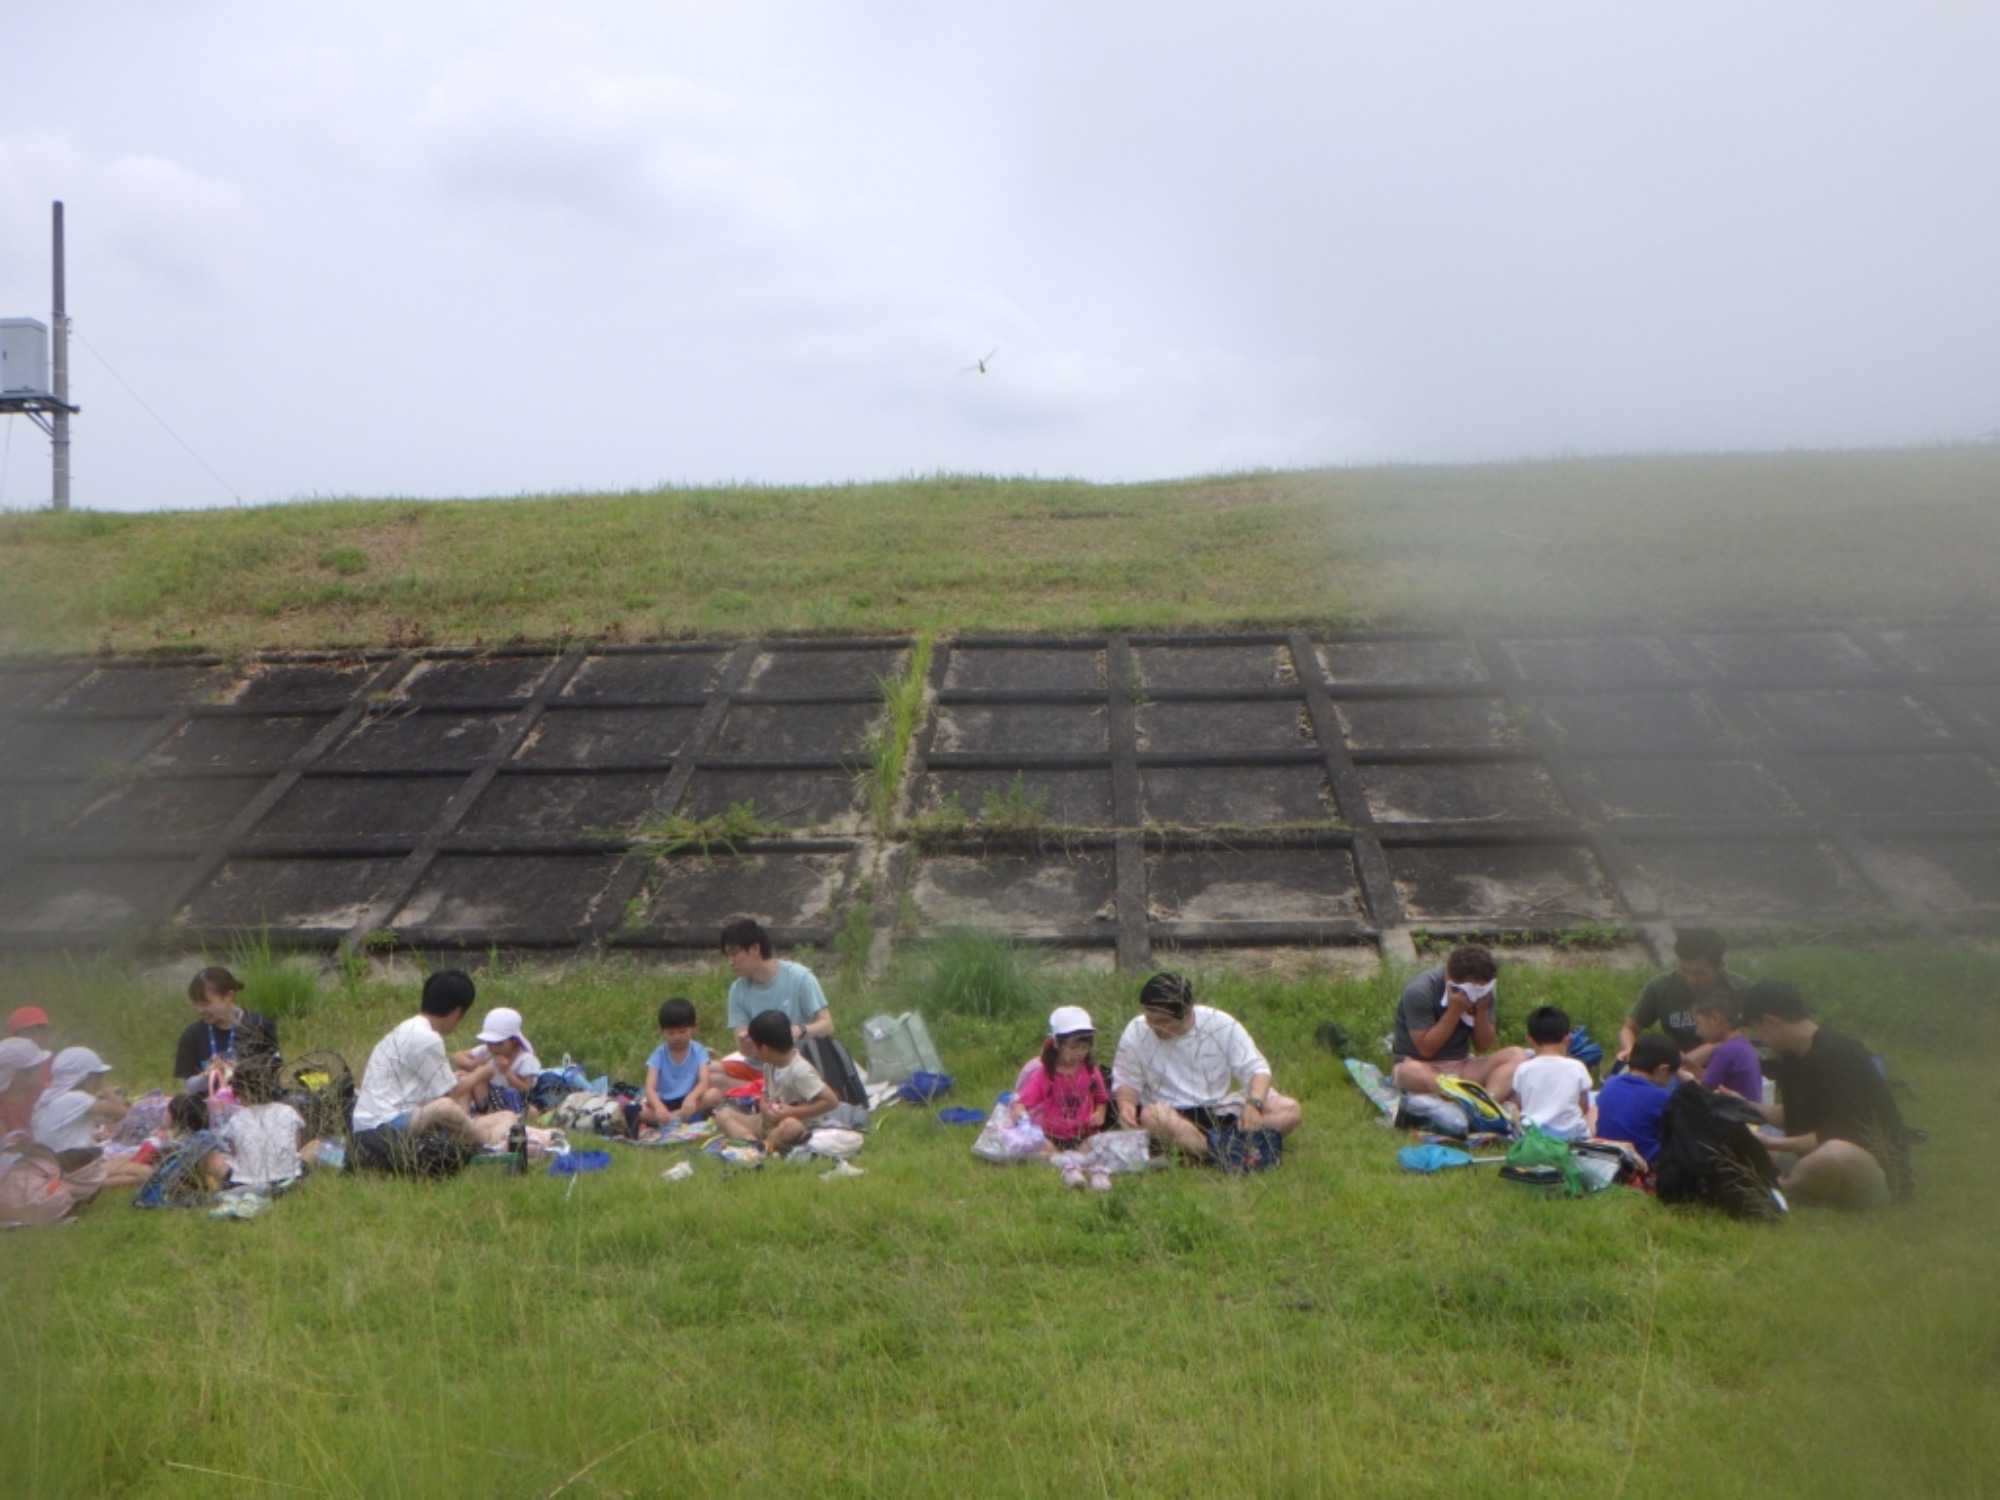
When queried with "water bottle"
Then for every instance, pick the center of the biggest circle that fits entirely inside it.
(517, 1143)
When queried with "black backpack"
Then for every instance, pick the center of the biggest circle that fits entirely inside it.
(430, 1153)
(831, 1062)
(320, 1087)
(1709, 1153)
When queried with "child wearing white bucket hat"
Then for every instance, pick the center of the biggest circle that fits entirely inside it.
(1063, 1091)
(68, 1113)
(502, 1045)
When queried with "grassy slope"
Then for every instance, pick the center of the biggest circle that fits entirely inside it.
(941, 1326)
(1902, 532)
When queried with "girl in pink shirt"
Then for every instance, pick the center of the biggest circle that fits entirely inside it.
(1066, 1095)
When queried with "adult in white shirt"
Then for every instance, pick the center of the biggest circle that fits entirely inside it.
(1182, 1070)
(409, 1088)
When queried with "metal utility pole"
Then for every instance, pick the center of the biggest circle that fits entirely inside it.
(59, 329)
(25, 386)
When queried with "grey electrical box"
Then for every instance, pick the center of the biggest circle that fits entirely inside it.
(24, 357)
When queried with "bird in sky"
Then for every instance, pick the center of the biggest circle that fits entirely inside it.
(978, 366)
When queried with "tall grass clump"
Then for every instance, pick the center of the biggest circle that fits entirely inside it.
(273, 985)
(977, 976)
(881, 775)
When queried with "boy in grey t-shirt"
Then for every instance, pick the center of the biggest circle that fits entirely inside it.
(796, 1099)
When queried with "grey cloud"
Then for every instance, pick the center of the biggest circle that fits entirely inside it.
(762, 241)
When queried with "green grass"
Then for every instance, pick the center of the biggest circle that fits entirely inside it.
(941, 1326)
(672, 833)
(888, 748)
(1678, 538)
(974, 976)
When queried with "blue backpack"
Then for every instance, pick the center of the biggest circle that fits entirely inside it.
(175, 1182)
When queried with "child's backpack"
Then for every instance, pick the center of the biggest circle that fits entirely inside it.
(1483, 1114)
(146, 1118)
(1237, 1151)
(35, 1188)
(176, 1182)
(320, 1086)
(1429, 1112)
(1709, 1154)
(922, 1088)
(584, 1113)
(833, 1064)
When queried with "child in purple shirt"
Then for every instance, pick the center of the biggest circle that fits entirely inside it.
(1734, 1064)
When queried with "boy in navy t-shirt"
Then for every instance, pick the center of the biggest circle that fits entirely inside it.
(678, 1086)
(1630, 1104)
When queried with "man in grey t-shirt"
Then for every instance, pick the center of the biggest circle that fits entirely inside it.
(1444, 1024)
(1668, 999)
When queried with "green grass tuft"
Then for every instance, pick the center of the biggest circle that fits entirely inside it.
(675, 833)
(1014, 809)
(888, 749)
(275, 984)
(977, 976)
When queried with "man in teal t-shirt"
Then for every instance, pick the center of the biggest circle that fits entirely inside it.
(766, 982)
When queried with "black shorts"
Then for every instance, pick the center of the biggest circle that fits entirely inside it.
(1206, 1120)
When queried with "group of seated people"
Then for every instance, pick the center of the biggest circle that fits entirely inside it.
(85, 1137)
(1833, 1124)
(1187, 1074)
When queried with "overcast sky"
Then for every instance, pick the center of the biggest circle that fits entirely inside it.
(471, 247)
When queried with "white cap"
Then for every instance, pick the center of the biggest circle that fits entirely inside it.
(1068, 1020)
(502, 1024)
(17, 1054)
(72, 1066)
